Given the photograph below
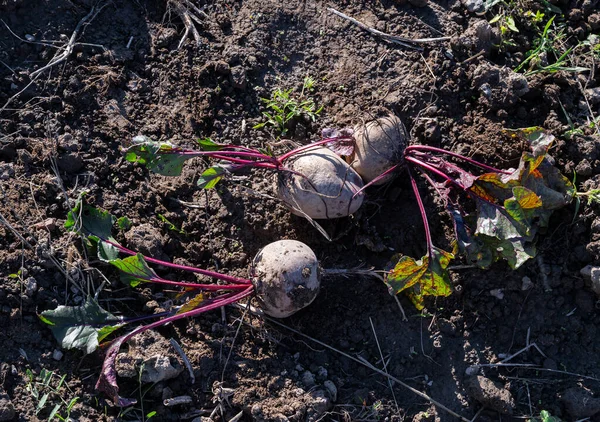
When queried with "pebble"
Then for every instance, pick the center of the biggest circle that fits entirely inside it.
(308, 379)
(497, 293)
(527, 283)
(30, 286)
(7, 170)
(592, 273)
(474, 6)
(593, 95)
(57, 354)
(176, 401)
(331, 389)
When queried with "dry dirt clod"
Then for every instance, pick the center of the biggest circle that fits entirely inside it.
(579, 403)
(157, 356)
(147, 240)
(487, 393)
(7, 410)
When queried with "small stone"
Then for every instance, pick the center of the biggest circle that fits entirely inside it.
(579, 403)
(319, 405)
(29, 37)
(592, 273)
(322, 372)
(474, 6)
(48, 224)
(30, 286)
(308, 379)
(472, 370)
(331, 389)
(487, 393)
(497, 293)
(527, 283)
(159, 368)
(7, 170)
(57, 354)
(177, 401)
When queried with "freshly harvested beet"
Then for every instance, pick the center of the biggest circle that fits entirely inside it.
(286, 277)
(321, 185)
(380, 146)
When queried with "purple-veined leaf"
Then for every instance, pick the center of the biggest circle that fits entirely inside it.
(107, 381)
(134, 270)
(344, 146)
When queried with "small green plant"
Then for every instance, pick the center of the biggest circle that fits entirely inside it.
(547, 47)
(170, 225)
(48, 387)
(545, 416)
(133, 412)
(506, 24)
(283, 107)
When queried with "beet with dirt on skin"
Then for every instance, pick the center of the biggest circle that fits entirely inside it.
(320, 185)
(380, 146)
(286, 277)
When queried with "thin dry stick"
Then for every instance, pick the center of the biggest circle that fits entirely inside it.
(182, 8)
(184, 357)
(59, 58)
(68, 49)
(477, 414)
(383, 362)
(373, 368)
(405, 42)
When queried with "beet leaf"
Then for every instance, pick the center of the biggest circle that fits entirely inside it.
(425, 277)
(81, 327)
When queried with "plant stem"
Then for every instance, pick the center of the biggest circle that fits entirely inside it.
(219, 302)
(378, 178)
(223, 277)
(411, 148)
(413, 183)
(207, 287)
(303, 148)
(434, 170)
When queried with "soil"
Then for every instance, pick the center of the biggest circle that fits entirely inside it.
(62, 134)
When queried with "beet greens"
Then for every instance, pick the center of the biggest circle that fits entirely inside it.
(85, 327)
(511, 208)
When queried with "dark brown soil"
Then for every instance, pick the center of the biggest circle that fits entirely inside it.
(63, 134)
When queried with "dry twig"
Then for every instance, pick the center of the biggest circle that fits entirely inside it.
(395, 39)
(189, 13)
(63, 52)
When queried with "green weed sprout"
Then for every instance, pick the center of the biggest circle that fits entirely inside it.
(283, 107)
